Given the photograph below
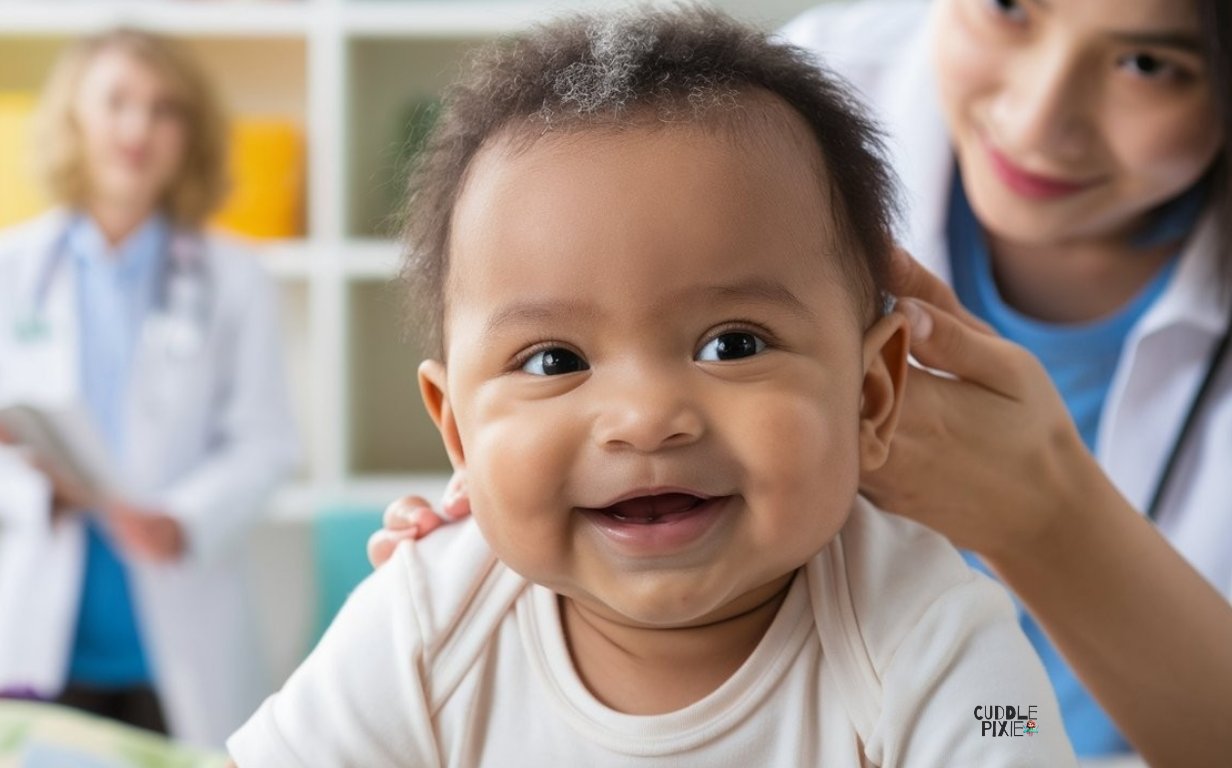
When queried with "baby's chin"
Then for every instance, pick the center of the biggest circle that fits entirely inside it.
(676, 606)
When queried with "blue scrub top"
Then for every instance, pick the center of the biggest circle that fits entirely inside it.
(115, 290)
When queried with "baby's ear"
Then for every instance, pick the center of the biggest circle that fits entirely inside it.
(886, 347)
(432, 386)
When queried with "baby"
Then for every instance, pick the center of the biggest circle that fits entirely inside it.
(650, 249)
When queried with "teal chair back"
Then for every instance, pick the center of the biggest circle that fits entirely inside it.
(339, 547)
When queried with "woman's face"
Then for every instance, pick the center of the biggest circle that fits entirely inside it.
(132, 130)
(1072, 119)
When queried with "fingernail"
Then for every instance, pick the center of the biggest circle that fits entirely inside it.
(413, 516)
(921, 322)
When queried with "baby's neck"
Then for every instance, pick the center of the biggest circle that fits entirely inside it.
(644, 671)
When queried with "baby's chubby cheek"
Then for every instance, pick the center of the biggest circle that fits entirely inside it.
(801, 463)
(519, 464)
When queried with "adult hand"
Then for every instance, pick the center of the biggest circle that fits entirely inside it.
(985, 451)
(412, 517)
(67, 496)
(144, 533)
(988, 456)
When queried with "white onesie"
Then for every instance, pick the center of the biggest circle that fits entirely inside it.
(880, 654)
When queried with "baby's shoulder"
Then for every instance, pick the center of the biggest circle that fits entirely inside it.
(453, 585)
(888, 572)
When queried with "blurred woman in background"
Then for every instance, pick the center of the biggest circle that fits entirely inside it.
(132, 603)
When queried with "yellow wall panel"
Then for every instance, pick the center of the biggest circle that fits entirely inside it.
(20, 196)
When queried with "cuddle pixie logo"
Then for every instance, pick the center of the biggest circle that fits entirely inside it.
(1007, 720)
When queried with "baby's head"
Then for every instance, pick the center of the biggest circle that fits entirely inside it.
(651, 250)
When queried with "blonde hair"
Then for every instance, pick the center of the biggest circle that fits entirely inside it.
(201, 181)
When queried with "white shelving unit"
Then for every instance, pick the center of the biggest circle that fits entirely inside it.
(347, 71)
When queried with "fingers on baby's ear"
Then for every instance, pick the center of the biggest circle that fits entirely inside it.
(943, 342)
(910, 279)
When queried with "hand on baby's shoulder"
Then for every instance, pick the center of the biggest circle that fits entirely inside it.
(412, 517)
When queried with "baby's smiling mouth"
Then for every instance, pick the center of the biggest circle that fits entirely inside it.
(657, 521)
(653, 509)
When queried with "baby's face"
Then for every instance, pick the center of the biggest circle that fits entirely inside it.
(656, 375)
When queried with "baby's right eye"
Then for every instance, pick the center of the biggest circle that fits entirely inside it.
(554, 361)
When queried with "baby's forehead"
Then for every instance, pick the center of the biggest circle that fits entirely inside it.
(758, 145)
(752, 173)
(651, 212)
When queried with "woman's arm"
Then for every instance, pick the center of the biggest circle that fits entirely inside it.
(988, 456)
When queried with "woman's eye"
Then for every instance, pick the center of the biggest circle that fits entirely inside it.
(1012, 10)
(1147, 66)
(554, 361)
(732, 345)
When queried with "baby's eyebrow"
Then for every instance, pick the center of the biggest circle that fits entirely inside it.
(756, 289)
(533, 312)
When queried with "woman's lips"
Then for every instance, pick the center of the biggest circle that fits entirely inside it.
(656, 524)
(1033, 185)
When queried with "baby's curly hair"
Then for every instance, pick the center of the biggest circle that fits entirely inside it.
(609, 71)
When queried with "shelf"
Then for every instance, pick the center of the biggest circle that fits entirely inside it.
(286, 259)
(371, 259)
(393, 85)
(441, 19)
(256, 74)
(295, 307)
(176, 17)
(390, 432)
(299, 501)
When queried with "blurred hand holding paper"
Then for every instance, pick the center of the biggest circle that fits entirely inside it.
(64, 443)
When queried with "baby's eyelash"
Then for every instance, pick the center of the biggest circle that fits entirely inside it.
(745, 326)
(519, 360)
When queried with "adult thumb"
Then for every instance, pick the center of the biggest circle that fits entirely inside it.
(942, 342)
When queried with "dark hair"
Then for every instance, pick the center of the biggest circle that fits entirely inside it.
(683, 65)
(1215, 18)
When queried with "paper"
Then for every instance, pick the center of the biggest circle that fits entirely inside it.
(65, 438)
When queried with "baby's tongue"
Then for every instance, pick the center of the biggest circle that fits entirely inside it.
(648, 509)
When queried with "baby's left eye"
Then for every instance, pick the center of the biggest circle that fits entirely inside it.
(731, 345)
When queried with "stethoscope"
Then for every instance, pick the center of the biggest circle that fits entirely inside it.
(1199, 402)
(179, 313)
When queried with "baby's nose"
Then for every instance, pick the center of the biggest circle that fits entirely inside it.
(649, 415)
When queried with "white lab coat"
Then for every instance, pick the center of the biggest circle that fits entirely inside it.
(209, 435)
(884, 48)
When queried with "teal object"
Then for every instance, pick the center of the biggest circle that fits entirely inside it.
(31, 330)
(340, 552)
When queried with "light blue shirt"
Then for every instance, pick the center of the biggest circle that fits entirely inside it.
(1081, 360)
(115, 290)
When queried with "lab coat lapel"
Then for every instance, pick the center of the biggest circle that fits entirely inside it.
(165, 385)
(920, 151)
(1165, 358)
(46, 370)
